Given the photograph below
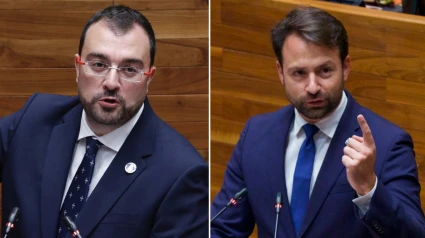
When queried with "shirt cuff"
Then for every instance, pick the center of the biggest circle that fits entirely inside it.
(363, 202)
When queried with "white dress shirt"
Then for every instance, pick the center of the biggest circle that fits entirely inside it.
(112, 143)
(322, 140)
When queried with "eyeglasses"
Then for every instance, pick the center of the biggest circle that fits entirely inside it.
(101, 69)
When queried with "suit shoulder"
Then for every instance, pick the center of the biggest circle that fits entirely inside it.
(48, 107)
(51, 102)
(54, 100)
(270, 119)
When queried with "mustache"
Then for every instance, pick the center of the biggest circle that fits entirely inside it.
(113, 94)
(318, 95)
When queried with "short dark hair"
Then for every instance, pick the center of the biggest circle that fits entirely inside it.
(121, 19)
(313, 25)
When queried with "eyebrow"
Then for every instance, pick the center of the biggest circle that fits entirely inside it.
(133, 60)
(327, 63)
(126, 60)
(98, 55)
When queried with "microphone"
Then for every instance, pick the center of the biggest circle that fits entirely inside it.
(278, 206)
(71, 226)
(233, 201)
(10, 222)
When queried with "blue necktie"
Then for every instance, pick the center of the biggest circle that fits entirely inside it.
(302, 177)
(78, 190)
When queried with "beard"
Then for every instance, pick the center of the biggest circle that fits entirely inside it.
(331, 100)
(108, 116)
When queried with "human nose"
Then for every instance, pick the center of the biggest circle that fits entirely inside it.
(313, 86)
(112, 79)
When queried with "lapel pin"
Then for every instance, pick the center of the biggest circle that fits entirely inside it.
(130, 167)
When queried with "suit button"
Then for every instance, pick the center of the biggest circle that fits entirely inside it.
(377, 227)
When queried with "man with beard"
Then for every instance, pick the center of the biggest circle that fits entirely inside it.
(104, 159)
(342, 170)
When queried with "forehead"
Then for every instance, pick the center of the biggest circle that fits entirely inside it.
(116, 45)
(298, 52)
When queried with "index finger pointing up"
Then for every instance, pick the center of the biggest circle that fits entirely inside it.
(367, 134)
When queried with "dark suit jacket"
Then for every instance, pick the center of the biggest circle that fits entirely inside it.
(257, 163)
(348, 2)
(167, 196)
(414, 7)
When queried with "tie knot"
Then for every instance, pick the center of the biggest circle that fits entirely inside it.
(92, 145)
(310, 130)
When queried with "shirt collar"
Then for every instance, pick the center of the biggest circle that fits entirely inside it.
(327, 125)
(115, 139)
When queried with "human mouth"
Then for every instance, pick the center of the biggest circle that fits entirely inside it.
(109, 102)
(315, 102)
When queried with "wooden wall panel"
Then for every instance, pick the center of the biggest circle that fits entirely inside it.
(216, 57)
(84, 5)
(167, 24)
(55, 5)
(387, 58)
(59, 53)
(240, 39)
(39, 38)
(268, 91)
(253, 65)
(165, 4)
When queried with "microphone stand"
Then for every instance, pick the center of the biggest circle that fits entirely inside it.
(219, 213)
(278, 206)
(71, 227)
(241, 194)
(12, 218)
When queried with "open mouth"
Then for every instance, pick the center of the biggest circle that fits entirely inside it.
(109, 102)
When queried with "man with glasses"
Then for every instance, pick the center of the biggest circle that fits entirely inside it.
(103, 159)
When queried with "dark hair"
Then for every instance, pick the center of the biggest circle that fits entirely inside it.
(121, 19)
(313, 25)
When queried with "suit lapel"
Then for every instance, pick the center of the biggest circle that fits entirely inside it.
(58, 160)
(138, 145)
(276, 169)
(332, 165)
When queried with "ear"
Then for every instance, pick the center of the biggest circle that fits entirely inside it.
(346, 67)
(279, 69)
(77, 69)
(150, 77)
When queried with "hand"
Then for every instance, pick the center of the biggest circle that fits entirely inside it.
(359, 159)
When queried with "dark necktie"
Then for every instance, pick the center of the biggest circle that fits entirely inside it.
(302, 177)
(78, 190)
